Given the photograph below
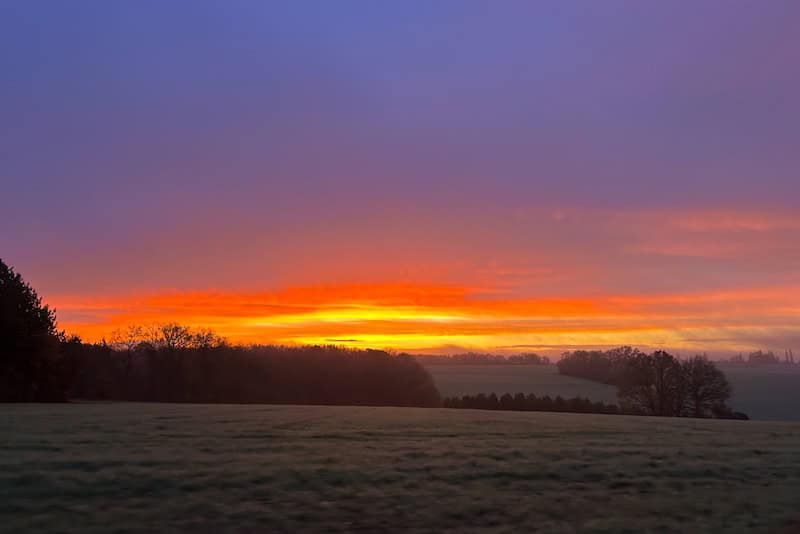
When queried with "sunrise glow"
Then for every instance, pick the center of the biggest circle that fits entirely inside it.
(443, 318)
(520, 177)
(538, 280)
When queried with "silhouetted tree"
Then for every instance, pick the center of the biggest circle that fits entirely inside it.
(171, 336)
(652, 385)
(30, 364)
(706, 386)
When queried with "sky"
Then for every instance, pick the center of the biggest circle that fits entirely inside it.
(423, 176)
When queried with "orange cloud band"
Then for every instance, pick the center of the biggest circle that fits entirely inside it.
(433, 317)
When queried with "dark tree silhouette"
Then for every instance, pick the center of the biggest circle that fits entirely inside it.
(175, 363)
(30, 363)
(707, 389)
(530, 403)
(655, 384)
(652, 385)
(601, 366)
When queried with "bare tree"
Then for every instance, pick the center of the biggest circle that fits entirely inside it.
(175, 336)
(164, 336)
(127, 338)
(206, 339)
(126, 341)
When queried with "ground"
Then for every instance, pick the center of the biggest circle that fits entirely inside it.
(225, 468)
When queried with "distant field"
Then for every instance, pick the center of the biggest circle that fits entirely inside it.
(767, 393)
(457, 379)
(128, 468)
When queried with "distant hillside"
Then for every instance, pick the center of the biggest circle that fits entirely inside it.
(763, 393)
(769, 392)
(458, 379)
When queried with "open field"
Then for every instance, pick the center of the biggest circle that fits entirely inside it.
(456, 380)
(226, 468)
(767, 392)
(764, 393)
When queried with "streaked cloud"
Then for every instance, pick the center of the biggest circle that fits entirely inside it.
(426, 317)
(706, 280)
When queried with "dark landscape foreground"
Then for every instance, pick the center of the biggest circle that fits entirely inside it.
(231, 468)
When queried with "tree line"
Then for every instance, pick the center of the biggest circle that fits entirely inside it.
(760, 357)
(655, 384)
(223, 373)
(529, 403)
(480, 358)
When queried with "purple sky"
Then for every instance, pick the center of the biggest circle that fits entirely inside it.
(534, 149)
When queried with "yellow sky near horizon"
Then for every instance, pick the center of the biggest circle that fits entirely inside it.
(437, 318)
(718, 281)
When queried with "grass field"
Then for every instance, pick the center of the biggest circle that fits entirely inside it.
(456, 380)
(768, 392)
(203, 469)
(764, 393)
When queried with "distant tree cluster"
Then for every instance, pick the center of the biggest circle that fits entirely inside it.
(478, 358)
(655, 384)
(529, 403)
(606, 367)
(759, 358)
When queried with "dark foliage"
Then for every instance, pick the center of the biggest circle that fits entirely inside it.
(706, 388)
(31, 368)
(660, 384)
(478, 358)
(655, 384)
(606, 367)
(259, 374)
(529, 403)
(652, 385)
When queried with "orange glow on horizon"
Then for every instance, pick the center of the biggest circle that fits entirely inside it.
(446, 318)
